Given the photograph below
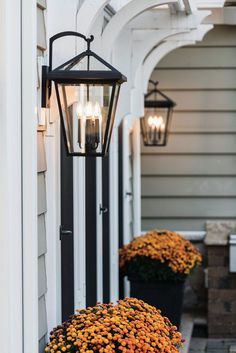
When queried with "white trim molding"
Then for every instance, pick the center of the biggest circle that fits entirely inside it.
(29, 176)
(11, 330)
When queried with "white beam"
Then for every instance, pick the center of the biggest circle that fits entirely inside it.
(87, 14)
(124, 16)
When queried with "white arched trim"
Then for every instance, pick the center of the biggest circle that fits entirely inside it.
(157, 54)
(124, 16)
(162, 50)
(142, 48)
(87, 14)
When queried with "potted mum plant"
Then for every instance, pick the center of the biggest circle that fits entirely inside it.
(130, 326)
(157, 265)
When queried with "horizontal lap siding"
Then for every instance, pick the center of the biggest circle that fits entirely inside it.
(192, 187)
(42, 243)
(42, 199)
(204, 122)
(193, 179)
(188, 165)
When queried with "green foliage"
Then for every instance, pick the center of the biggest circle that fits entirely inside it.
(145, 269)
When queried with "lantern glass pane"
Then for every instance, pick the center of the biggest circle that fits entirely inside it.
(87, 116)
(155, 126)
(85, 63)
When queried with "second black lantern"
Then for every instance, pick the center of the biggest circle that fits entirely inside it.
(155, 125)
(87, 90)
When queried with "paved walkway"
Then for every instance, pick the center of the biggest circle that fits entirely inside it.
(204, 345)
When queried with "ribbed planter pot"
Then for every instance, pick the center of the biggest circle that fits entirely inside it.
(166, 296)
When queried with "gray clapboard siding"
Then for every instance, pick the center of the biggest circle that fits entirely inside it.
(41, 153)
(204, 122)
(41, 29)
(196, 143)
(203, 58)
(186, 208)
(42, 204)
(178, 224)
(214, 78)
(42, 277)
(204, 100)
(193, 178)
(188, 165)
(42, 343)
(42, 329)
(188, 186)
(42, 243)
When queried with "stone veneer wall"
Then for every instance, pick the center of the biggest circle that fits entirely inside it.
(221, 284)
(195, 294)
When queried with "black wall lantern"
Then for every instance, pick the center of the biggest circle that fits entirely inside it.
(87, 90)
(155, 125)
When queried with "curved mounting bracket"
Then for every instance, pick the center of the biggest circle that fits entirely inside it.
(66, 34)
(46, 84)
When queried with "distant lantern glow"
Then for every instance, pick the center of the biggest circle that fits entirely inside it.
(155, 124)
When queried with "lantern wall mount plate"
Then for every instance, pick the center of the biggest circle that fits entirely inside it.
(87, 91)
(155, 125)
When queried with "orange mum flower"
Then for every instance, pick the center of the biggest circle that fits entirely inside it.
(159, 255)
(131, 326)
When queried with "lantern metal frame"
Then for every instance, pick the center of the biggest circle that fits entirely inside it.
(165, 103)
(111, 77)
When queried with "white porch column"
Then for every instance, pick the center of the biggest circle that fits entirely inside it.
(29, 175)
(11, 333)
(18, 158)
(137, 178)
(114, 221)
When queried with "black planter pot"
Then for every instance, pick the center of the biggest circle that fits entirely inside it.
(166, 296)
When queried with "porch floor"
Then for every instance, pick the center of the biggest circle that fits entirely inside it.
(206, 345)
(194, 331)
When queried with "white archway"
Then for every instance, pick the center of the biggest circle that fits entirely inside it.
(124, 16)
(87, 13)
(162, 50)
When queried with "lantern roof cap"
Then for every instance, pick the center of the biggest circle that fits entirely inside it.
(157, 99)
(86, 67)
